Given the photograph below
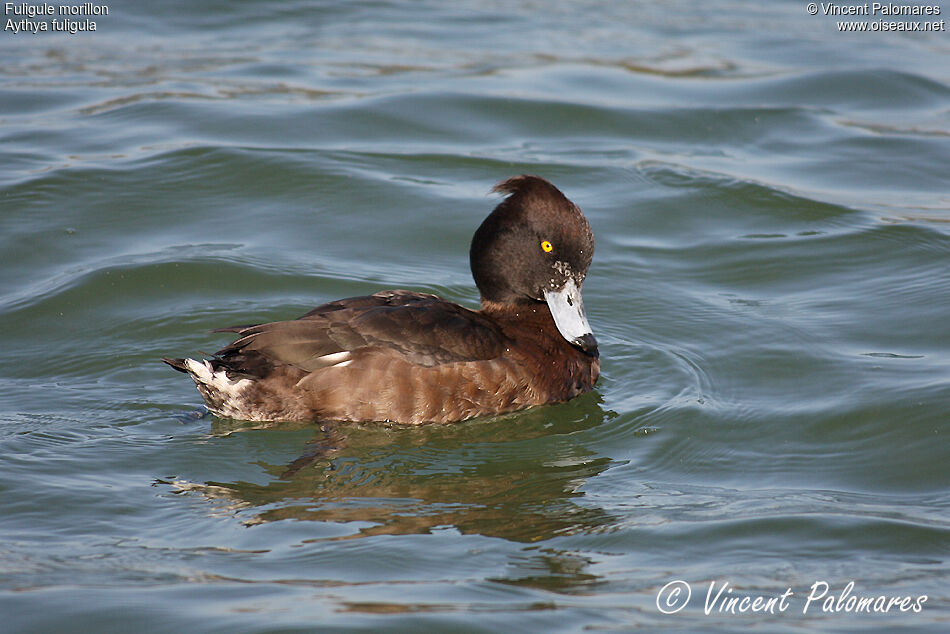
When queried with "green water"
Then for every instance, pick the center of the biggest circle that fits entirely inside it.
(770, 289)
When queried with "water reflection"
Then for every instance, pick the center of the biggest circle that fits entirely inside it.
(552, 570)
(517, 477)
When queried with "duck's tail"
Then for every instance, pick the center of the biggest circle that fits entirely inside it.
(221, 392)
(178, 364)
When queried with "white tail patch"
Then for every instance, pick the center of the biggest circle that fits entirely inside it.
(221, 393)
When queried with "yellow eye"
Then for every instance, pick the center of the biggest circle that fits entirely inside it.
(546, 246)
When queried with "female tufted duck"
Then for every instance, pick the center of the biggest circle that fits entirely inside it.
(414, 358)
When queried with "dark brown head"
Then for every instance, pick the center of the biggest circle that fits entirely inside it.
(536, 246)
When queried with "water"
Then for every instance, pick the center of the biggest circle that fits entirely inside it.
(771, 287)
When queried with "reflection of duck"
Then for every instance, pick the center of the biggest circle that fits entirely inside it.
(520, 482)
(412, 358)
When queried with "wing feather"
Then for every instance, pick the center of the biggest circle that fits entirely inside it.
(423, 329)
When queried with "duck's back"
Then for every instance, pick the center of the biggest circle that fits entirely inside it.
(422, 329)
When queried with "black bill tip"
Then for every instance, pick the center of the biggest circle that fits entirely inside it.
(588, 344)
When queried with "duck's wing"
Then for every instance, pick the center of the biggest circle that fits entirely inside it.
(422, 329)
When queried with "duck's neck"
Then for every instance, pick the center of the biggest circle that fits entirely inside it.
(528, 320)
(527, 311)
(532, 328)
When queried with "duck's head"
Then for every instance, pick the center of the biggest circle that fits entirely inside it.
(536, 246)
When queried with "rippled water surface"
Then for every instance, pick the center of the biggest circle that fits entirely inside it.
(771, 290)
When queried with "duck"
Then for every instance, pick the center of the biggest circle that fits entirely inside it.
(401, 356)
